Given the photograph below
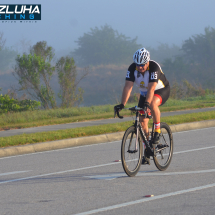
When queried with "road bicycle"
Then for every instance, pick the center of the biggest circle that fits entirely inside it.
(134, 140)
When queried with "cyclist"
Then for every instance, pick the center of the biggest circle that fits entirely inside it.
(154, 91)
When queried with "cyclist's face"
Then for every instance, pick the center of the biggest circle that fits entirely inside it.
(142, 67)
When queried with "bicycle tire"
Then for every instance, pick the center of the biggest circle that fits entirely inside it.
(163, 153)
(130, 156)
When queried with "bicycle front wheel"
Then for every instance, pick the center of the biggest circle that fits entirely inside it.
(131, 152)
(164, 150)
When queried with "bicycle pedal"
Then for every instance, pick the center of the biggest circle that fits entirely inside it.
(161, 147)
(132, 151)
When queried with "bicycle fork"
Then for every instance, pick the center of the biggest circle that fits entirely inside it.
(137, 137)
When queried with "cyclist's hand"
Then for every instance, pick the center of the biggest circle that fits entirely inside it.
(147, 110)
(146, 107)
(118, 108)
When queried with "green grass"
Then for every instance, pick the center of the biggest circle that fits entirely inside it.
(95, 130)
(60, 116)
(189, 103)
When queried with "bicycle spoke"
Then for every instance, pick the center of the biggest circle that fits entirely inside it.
(164, 148)
(131, 152)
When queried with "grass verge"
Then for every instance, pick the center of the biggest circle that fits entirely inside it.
(95, 130)
(36, 118)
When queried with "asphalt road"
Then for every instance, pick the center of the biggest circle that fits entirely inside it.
(90, 123)
(87, 180)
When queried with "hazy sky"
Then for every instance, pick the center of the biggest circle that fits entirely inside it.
(153, 22)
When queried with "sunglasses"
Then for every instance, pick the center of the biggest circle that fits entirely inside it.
(140, 65)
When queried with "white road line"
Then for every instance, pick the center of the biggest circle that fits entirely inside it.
(192, 150)
(84, 168)
(55, 173)
(11, 173)
(179, 132)
(146, 199)
(147, 173)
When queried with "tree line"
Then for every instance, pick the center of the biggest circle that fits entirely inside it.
(196, 61)
(100, 48)
(34, 72)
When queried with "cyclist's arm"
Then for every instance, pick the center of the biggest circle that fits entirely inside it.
(151, 90)
(126, 91)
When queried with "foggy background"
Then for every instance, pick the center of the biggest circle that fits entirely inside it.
(154, 23)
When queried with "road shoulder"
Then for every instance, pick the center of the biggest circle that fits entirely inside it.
(72, 142)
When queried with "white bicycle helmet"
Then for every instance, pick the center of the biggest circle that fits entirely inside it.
(141, 56)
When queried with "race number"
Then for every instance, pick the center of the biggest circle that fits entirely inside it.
(154, 75)
(128, 74)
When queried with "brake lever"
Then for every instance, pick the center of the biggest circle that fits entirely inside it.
(117, 112)
(121, 117)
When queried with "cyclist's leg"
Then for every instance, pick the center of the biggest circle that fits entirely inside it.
(143, 121)
(160, 97)
(144, 124)
(156, 102)
(162, 94)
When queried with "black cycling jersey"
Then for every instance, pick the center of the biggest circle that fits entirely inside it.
(152, 74)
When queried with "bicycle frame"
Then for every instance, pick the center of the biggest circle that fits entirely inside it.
(139, 129)
(133, 152)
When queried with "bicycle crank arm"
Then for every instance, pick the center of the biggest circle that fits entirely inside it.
(164, 147)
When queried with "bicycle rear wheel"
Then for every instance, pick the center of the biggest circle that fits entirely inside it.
(164, 150)
(131, 153)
